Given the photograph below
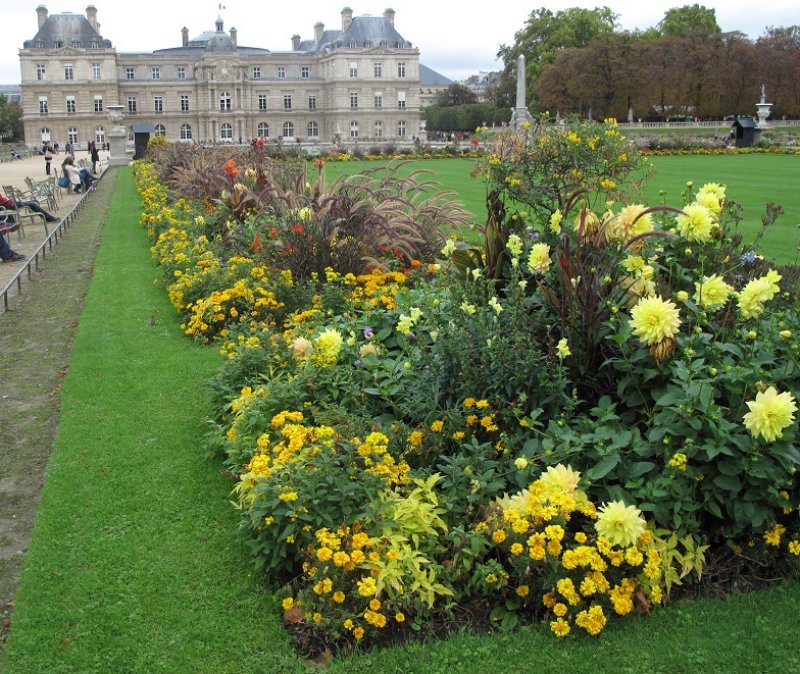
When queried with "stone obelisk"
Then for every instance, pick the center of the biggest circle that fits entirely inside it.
(520, 114)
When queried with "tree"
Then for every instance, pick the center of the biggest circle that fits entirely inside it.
(456, 94)
(10, 119)
(689, 19)
(543, 36)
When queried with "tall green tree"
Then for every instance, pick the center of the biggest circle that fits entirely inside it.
(456, 94)
(544, 35)
(10, 119)
(689, 19)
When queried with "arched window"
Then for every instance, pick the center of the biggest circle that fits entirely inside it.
(288, 130)
(312, 130)
(161, 130)
(226, 131)
(263, 130)
(100, 135)
(353, 129)
(72, 135)
(186, 132)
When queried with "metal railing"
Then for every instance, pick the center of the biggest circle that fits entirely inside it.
(32, 261)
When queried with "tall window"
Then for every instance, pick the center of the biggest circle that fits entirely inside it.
(181, 72)
(68, 72)
(287, 102)
(160, 130)
(262, 102)
(353, 68)
(130, 73)
(401, 129)
(158, 104)
(41, 71)
(353, 100)
(377, 70)
(281, 72)
(184, 102)
(379, 129)
(256, 72)
(305, 72)
(263, 130)
(288, 130)
(401, 100)
(401, 68)
(155, 73)
(226, 131)
(224, 101)
(95, 71)
(42, 105)
(378, 98)
(98, 103)
(312, 130)
(353, 129)
(70, 104)
(312, 102)
(131, 103)
(186, 132)
(72, 135)
(100, 134)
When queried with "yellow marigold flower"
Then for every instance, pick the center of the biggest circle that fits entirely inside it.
(794, 548)
(357, 556)
(678, 460)
(656, 595)
(539, 258)
(400, 617)
(459, 435)
(472, 419)
(593, 620)
(482, 404)
(359, 540)
(340, 558)
(367, 586)
(517, 549)
(469, 402)
(287, 603)
(338, 597)
(712, 293)
(580, 537)
(324, 554)
(559, 627)
(375, 604)
(554, 532)
(634, 556)
(560, 610)
(696, 223)
(619, 524)
(773, 535)
(654, 320)
(415, 438)
(437, 426)
(358, 633)
(317, 617)
(770, 413)
(499, 536)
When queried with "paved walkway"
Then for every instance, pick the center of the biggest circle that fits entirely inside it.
(14, 173)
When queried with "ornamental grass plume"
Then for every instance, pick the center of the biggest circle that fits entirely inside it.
(696, 223)
(770, 413)
(712, 293)
(620, 524)
(655, 320)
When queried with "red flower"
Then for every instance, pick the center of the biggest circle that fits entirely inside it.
(230, 168)
(298, 229)
(319, 163)
(260, 143)
(273, 232)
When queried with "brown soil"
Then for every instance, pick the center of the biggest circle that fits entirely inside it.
(36, 338)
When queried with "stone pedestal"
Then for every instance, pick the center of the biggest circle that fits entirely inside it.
(117, 137)
(762, 114)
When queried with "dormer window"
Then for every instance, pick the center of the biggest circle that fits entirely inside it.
(94, 45)
(76, 44)
(40, 45)
(58, 44)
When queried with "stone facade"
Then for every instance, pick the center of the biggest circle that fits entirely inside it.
(359, 82)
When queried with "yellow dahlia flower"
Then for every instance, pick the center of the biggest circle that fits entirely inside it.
(630, 222)
(696, 223)
(712, 293)
(620, 524)
(539, 258)
(560, 479)
(654, 319)
(713, 188)
(770, 413)
(758, 291)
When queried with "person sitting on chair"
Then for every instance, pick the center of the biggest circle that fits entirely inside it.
(72, 173)
(30, 205)
(6, 254)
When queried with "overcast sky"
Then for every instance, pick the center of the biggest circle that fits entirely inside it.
(453, 38)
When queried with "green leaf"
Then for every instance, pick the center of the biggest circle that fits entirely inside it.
(728, 482)
(603, 467)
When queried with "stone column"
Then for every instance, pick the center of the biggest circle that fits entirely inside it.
(117, 137)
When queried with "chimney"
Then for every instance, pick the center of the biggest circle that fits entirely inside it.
(295, 42)
(184, 36)
(347, 18)
(388, 14)
(91, 16)
(319, 29)
(41, 11)
(234, 37)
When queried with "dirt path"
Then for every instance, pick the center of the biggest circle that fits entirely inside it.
(36, 339)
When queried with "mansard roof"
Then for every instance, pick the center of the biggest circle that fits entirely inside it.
(429, 77)
(364, 31)
(65, 30)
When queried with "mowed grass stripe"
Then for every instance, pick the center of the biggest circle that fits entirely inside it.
(134, 565)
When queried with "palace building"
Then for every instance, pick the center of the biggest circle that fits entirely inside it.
(360, 80)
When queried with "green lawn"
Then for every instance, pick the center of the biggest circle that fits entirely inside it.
(134, 564)
(752, 180)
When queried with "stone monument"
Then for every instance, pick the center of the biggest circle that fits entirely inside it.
(763, 109)
(520, 114)
(117, 137)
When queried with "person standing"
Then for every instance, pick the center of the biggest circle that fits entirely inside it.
(95, 156)
(48, 157)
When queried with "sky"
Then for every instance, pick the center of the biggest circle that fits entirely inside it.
(453, 39)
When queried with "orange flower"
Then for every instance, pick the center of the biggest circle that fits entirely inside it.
(230, 168)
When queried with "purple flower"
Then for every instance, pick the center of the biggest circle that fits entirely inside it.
(368, 333)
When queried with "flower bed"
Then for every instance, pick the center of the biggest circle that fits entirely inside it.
(556, 425)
